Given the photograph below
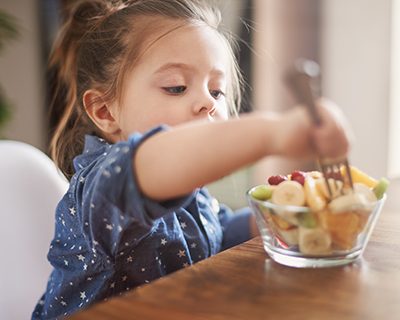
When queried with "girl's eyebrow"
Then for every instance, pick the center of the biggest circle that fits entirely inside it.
(186, 67)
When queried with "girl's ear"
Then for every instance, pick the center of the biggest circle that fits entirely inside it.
(101, 113)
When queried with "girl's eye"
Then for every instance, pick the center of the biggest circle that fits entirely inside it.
(175, 90)
(216, 94)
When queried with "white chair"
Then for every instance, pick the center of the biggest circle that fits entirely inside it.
(30, 188)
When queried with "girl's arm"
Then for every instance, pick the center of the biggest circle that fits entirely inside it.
(177, 161)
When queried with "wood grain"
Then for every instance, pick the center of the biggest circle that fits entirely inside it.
(243, 283)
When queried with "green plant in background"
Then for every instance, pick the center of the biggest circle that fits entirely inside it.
(8, 31)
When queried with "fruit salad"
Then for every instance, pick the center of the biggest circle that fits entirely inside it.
(304, 216)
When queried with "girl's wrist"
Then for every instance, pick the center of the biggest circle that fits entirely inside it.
(291, 133)
(272, 125)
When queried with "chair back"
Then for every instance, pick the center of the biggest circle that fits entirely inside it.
(30, 188)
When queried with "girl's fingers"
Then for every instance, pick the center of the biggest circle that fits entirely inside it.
(332, 138)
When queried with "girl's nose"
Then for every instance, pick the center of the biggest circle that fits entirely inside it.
(205, 105)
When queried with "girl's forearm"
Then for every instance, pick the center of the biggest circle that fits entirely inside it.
(177, 161)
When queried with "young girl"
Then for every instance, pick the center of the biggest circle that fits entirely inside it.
(146, 87)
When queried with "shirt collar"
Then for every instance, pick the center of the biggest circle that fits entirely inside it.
(93, 148)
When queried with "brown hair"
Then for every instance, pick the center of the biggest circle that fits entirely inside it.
(94, 50)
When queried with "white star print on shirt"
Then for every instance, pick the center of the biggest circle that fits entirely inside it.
(163, 242)
(181, 253)
(83, 295)
(80, 257)
(109, 226)
(183, 225)
(125, 149)
(72, 211)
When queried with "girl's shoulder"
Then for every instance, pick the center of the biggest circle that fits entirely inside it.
(98, 150)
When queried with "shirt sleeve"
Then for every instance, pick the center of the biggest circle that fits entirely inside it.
(235, 225)
(112, 203)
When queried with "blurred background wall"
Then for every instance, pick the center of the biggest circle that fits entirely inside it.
(22, 77)
(355, 57)
(355, 42)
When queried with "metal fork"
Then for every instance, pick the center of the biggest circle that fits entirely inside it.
(300, 81)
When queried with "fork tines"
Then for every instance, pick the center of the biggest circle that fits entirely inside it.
(331, 169)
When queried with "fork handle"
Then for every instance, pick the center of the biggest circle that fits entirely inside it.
(299, 81)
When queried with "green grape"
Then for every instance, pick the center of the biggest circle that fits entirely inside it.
(307, 220)
(262, 192)
(381, 188)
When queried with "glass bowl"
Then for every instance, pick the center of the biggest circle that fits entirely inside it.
(297, 237)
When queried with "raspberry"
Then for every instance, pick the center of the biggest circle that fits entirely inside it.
(298, 176)
(275, 180)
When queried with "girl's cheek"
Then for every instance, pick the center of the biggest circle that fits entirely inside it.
(222, 112)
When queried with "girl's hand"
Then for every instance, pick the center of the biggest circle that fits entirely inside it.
(297, 136)
(332, 138)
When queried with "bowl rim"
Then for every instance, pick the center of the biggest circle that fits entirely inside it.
(272, 205)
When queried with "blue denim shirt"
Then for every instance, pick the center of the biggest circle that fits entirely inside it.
(110, 238)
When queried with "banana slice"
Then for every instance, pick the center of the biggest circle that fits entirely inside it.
(315, 174)
(289, 193)
(351, 201)
(289, 215)
(314, 200)
(365, 190)
(282, 223)
(314, 241)
(335, 186)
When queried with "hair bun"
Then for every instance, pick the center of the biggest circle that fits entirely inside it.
(87, 13)
(80, 17)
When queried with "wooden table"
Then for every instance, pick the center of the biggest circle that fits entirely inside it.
(243, 283)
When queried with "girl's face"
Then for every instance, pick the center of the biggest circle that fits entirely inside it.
(179, 78)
